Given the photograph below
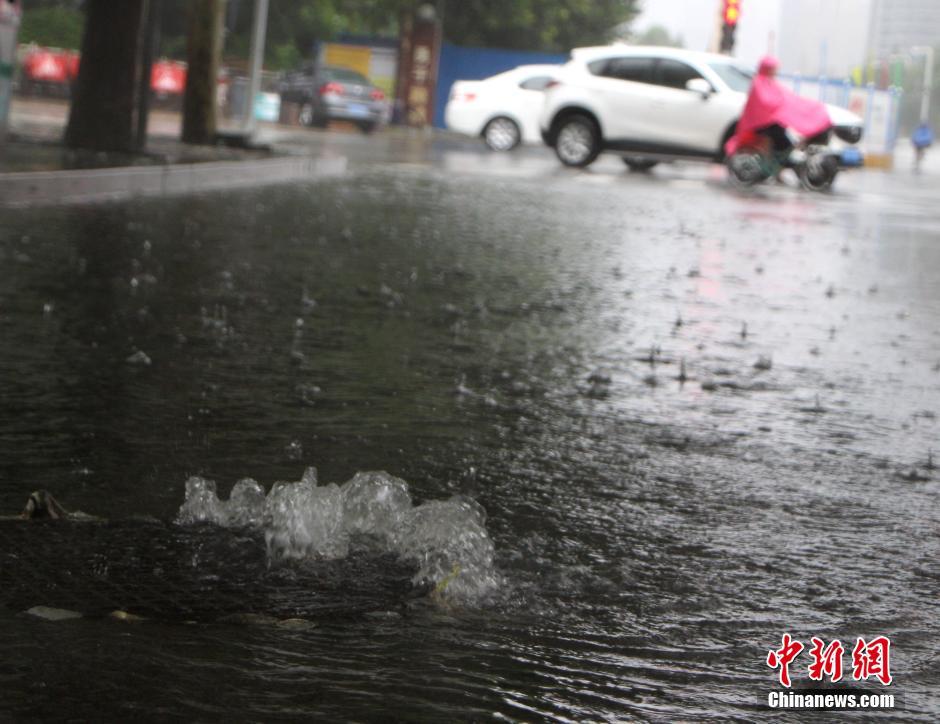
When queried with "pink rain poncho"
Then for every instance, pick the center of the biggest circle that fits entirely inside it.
(770, 103)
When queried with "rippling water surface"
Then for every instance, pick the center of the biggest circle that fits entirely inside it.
(695, 421)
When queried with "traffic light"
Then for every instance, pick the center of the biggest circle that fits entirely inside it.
(730, 14)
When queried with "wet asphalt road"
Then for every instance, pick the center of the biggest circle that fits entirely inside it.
(697, 420)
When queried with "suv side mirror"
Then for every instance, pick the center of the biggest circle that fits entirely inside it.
(700, 86)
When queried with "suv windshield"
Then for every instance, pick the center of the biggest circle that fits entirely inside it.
(736, 77)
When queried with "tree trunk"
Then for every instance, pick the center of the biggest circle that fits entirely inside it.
(204, 47)
(102, 112)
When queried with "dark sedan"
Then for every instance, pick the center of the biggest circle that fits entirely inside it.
(326, 93)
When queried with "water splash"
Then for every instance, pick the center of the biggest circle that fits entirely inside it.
(446, 539)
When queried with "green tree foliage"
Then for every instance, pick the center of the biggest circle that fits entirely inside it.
(541, 25)
(295, 26)
(57, 26)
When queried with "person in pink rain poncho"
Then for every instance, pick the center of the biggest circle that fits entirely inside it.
(771, 109)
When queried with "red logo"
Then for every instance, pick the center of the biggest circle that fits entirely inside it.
(783, 657)
(871, 658)
(826, 661)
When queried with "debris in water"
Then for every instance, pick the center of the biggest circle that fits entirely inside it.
(307, 301)
(53, 614)
(41, 505)
(683, 377)
(653, 355)
(461, 390)
(391, 298)
(139, 358)
(307, 393)
(294, 450)
(763, 363)
(125, 616)
(815, 408)
(913, 475)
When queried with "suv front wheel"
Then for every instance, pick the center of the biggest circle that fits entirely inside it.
(577, 140)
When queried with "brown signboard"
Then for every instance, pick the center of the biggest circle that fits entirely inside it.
(418, 54)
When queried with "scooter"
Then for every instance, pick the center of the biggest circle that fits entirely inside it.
(816, 164)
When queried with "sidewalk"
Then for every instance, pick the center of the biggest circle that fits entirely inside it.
(37, 126)
(904, 158)
(35, 169)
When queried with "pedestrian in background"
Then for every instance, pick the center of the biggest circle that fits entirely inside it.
(922, 139)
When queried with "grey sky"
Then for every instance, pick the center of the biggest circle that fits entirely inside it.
(694, 20)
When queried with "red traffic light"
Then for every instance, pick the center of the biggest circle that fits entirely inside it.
(731, 12)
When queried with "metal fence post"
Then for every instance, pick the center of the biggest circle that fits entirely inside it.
(10, 14)
(258, 33)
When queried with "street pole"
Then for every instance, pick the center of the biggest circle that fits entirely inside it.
(148, 47)
(928, 84)
(259, 29)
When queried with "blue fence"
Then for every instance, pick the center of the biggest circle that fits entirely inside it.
(879, 109)
(459, 63)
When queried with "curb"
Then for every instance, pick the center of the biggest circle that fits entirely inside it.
(879, 160)
(40, 188)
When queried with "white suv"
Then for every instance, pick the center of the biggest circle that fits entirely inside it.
(650, 104)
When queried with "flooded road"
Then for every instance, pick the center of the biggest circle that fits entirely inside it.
(695, 420)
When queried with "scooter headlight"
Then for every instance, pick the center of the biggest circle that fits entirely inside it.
(849, 134)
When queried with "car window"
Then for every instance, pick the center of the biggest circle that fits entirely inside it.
(345, 75)
(638, 70)
(536, 83)
(674, 73)
(737, 78)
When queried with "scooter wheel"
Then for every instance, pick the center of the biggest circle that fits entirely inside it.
(818, 173)
(746, 168)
